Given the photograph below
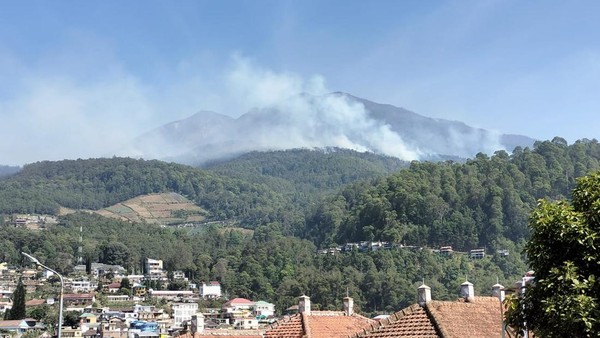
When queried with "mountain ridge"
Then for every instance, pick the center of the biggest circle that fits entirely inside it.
(333, 120)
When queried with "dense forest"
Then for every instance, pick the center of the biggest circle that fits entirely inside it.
(294, 203)
(251, 190)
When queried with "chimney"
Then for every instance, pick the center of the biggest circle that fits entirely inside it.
(348, 306)
(197, 323)
(498, 291)
(304, 304)
(467, 291)
(424, 293)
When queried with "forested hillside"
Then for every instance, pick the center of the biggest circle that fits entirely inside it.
(304, 173)
(255, 189)
(266, 265)
(96, 183)
(483, 203)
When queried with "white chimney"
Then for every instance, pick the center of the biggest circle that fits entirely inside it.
(424, 293)
(467, 291)
(348, 306)
(197, 323)
(498, 291)
(304, 304)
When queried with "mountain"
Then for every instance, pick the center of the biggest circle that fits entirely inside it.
(333, 120)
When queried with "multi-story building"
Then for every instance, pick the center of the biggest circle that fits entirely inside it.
(183, 312)
(154, 269)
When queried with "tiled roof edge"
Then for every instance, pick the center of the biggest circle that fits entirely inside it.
(285, 320)
(391, 319)
(441, 332)
(359, 316)
(305, 325)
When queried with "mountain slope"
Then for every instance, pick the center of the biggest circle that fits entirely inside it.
(334, 120)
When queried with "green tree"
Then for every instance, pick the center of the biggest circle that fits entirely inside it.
(114, 253)
(18, 308)
(125, 283)
(564, 252)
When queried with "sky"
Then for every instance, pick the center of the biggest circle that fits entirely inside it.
(78, 79)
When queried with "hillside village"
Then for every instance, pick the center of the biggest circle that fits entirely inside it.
(380, 258)
(102, 300)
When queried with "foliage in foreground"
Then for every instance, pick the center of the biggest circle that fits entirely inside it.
(564, 253)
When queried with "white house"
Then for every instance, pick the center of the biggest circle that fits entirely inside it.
(263, 309)
(210, 290)
(83, 285)
(183, 312)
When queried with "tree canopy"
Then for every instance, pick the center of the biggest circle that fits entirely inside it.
(564, 252)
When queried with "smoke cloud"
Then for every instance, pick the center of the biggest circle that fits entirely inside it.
(54, 113)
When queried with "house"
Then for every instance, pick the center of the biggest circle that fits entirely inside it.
(245, 323)
(5, 304)
(320, 324)
(210, 290)
(263, 309)
(117, 298)
(199, 330)
(179, 275)
(79, 299)
(470, 316)
(171, 295)
(477, 253)
(502, 252)
(446, 250)
(83, 285)
(112, 287)
(183, 312)
(139, 290)
(238, 305)
(68, 332)
(19, 326)
(154, 269)
(100, 269)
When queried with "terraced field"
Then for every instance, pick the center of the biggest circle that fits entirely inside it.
(163, 209)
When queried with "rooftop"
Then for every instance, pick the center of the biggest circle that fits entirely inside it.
(480, 317)
(319, 324)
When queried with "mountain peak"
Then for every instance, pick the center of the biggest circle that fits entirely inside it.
(319, 123)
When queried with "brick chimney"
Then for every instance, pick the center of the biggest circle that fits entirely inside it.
(424, 294)
(348, 306)
(304, 304)
(467, 291)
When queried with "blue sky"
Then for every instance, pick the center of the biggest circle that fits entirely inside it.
(78, 78)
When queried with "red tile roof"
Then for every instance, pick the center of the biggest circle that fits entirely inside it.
(332, 324)
(238, 301)
(479, 318)
(223, 334)
(411, 322)
(287, 328)
(319, 324)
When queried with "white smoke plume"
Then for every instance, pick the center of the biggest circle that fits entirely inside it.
(308, 117)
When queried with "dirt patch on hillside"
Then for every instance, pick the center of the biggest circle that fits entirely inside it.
(163, 209)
